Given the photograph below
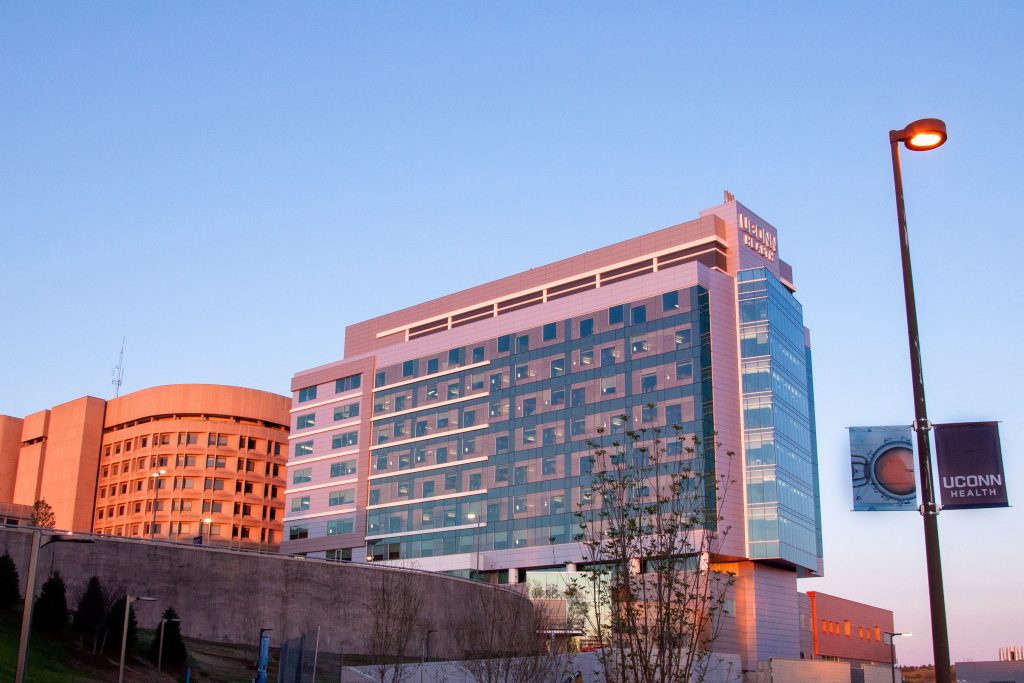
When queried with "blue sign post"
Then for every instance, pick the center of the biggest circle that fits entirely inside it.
(261, 667)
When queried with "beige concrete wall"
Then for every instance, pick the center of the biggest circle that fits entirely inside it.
(198, 399)
(227, 596)
(10, 444)
(68, 474)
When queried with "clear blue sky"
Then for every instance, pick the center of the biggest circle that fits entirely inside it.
(228, 185)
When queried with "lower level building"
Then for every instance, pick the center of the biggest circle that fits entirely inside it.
(190, 463)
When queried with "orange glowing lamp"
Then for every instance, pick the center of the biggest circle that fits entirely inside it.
(923, 135)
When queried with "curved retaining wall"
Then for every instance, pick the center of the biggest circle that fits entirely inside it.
(227, 596)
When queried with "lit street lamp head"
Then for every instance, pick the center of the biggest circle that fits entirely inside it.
(921, 135)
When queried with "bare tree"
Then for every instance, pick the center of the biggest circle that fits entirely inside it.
(390, 640)
(650, 527)
(513, 640)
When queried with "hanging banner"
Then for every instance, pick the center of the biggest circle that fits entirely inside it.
(882, 461)
(970, 465)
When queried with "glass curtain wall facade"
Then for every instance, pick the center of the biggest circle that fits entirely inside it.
(783, 511)
(485, 447)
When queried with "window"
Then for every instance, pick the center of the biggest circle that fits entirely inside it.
(343, 469)
(549, 465)
(578, 396)
(428, 489)
(421, 428)
(682, 338)
(346, 412)
(454, 390)
(587, 357)
(441, 456)
(587, 327)
(674, 415)
(649, 413)
(342, 497)
(410, 368)
(648, 383)
(557, 367)
(474, 482)
(496, 382)
(519, 504)
(307, 394)
(669, 301)
(214, 506)
(578, 426)
(504, 343)
(213, 484)
(305, 421)
(468, 419)
(188, 439)
(501, 473)
(304, 448)
(529, 406)
(296, 532)
(501, 444)
(608, 356)
(522, 371)
(346, 439)
(607, 385)
(684, 370)
(615, 314)
(302, 476)
(432, 366)
(469, 445)
(638, 345)
(451, 481)
(550, 331)
(442, 422)
(379, 380)
(346, 525)
(299, 504)
(557, 397)
(348, 383)
(638, 314)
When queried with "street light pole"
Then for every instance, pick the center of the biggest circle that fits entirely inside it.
(892, 651)
(128, 600)
(30, 589)
(156, 492)
(26, 613)
(160, 650)
(922, 135)
(209, 530)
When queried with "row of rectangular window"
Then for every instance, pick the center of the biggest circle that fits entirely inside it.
(521, 342)
(350, 383)
(345, 412)
(188, 439)
(304, 475)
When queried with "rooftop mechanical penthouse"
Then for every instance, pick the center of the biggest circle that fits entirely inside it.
(453, 434)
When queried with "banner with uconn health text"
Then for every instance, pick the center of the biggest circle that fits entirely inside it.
(970, 464)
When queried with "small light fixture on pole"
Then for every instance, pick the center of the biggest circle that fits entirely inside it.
(30, 589)
(160, 650)
(208, 521)
(919, 136)
(156, 492)
(892, 651)
(128, 600)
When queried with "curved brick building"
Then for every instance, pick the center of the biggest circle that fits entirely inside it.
(194, 452)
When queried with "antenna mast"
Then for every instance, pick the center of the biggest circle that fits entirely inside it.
(118, 374)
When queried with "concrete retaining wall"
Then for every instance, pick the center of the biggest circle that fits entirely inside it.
(227, 596)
